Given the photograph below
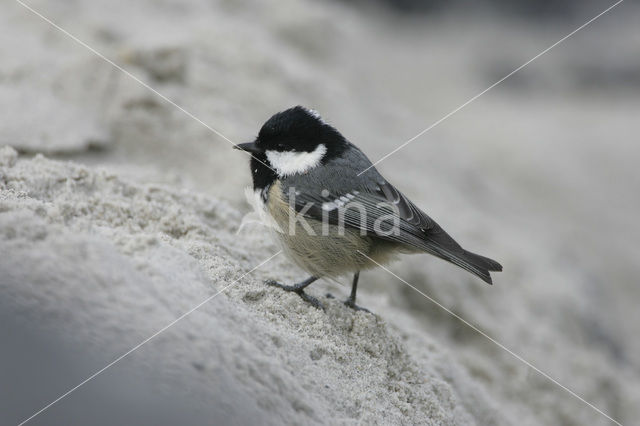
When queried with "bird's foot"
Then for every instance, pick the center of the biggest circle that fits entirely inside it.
(299, 291)
(351, 304)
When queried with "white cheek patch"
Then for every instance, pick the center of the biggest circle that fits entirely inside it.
(289, 163)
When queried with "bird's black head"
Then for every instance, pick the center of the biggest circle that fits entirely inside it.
(301, 130)
(290, 142)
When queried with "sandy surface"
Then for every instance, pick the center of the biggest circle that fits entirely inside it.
(130, 219)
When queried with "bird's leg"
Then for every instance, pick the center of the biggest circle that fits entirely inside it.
(299, 289)
(351, 300)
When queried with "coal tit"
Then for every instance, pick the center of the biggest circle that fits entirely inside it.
(306, 176)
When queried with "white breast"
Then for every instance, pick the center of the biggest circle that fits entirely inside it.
(288, 163)
(260, 213)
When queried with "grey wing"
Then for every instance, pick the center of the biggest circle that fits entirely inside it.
(369, 212)
(338, 181)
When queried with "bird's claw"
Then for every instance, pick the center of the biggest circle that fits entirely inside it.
(299, 291)
(311, 300)
(351, 304)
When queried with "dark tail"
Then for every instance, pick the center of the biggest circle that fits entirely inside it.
(481, 264)
(440, 244)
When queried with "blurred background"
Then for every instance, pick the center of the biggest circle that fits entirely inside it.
(539, 173)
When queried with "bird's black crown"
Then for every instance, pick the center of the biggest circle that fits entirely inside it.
(300, 129)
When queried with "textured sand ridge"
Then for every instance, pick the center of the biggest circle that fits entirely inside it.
(116, 261)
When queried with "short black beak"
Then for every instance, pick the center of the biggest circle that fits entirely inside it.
(249, 147)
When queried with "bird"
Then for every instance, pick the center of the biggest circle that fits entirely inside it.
(335, 214)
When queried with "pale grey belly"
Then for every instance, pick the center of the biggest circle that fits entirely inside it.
(332, 253)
